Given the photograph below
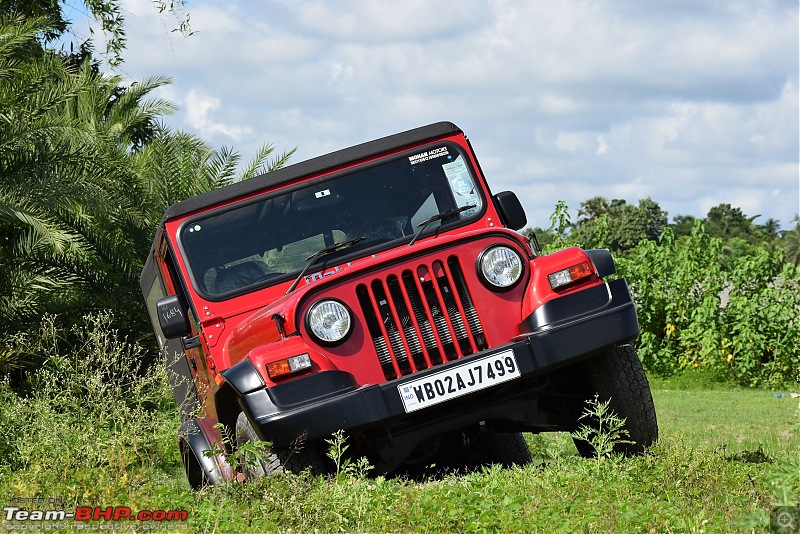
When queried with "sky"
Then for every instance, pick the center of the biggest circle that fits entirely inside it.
(690, 103)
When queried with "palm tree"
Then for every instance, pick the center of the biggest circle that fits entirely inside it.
(38, 147)
(790, 242)
(771, 227)
(87, 171)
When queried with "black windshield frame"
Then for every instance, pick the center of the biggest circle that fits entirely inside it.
(324, 197)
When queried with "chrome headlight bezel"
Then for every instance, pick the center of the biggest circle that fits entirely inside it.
(495, 255)
(336, 311)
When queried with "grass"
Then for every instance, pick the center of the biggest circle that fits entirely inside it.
(93, 445)
(734, 421)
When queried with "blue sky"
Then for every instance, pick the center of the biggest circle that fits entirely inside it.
(690, 103)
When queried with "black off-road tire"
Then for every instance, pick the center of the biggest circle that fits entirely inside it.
(617, 374)
(295, 460)
(506, 448)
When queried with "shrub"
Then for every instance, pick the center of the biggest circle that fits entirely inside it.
(740, 324)
(699, 308)
(89, 421)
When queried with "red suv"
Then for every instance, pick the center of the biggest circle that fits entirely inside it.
(383, 290)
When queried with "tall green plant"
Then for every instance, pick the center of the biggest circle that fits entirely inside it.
(739, 323)
(761, 340)
(677, 287)
(559, 227)
(698, 309)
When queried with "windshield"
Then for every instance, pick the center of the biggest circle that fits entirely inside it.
(270, 239)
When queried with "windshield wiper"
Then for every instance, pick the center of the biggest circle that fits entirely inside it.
(439, 217)
(317, 255)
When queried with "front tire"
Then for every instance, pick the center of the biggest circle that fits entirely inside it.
(617, 374)
(506, 448)
(274, 461)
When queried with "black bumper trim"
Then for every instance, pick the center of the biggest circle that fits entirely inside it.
(582, 323)
(597, 300)
(551, 346)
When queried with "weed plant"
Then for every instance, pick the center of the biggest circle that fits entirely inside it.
(88, 425)
(604, 431)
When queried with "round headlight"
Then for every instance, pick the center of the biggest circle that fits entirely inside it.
(500, 266)
(329, 320)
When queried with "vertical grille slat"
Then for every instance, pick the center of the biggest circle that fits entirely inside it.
(443, 321)
(378, 332)
(391, 324)
(430, 308)
(408, 323)
(466, 302)
(421, 318)
(455, 310)
(468, 342)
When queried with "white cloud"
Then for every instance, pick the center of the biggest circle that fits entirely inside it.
(198, 108)
(570, 141)
(387, 20)
(683, 101)
(602, 146)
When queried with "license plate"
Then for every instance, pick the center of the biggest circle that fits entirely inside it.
(459, 380)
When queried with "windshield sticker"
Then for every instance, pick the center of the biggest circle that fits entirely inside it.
(323, 193)
(428, 155)
(462, 185)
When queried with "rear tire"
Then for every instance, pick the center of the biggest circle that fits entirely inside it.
(617, 375)
(293, 460)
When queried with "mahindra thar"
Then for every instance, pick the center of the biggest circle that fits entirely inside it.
(384, 291)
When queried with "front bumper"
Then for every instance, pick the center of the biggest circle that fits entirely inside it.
(561, 332)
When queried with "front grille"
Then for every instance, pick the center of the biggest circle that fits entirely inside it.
(421, 318)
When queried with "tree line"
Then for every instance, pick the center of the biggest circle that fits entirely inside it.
(88, 168)
(620, 227)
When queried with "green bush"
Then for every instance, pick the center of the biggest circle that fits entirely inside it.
(739, 324)
(702, 308)
(89, 423)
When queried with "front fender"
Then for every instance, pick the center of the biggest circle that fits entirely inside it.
(539, 291)
(258, 401)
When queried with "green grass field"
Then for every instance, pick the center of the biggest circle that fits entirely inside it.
(709, 472)
(732, 420)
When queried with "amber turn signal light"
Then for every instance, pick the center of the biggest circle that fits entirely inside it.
(570, 275)
(288, 366)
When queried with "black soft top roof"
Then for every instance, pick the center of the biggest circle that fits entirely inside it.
(311, 166)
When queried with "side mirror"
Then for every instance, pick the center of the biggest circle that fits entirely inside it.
(511, 210)
(173, 317)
